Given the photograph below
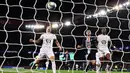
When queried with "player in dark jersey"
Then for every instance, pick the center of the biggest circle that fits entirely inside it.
(89, 43)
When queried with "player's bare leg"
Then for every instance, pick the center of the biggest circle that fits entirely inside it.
(108, 56)
(52, 58)
(47, 63)
(36, 62)
(98, 63)
(93, 64)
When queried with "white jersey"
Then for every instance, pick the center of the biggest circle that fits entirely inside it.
(48, 39)
(103, 41)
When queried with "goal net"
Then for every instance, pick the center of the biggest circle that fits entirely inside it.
(21, 20)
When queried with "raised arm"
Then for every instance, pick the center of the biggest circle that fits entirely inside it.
(38, 40)
(35, 41)
(111, 44)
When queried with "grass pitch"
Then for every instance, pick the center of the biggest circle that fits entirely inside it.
(9, 70)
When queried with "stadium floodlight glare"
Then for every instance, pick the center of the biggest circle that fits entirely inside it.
(37, 26)
(67, 23)
(108, 10)
(102, 12)
(116, 8)
(89, 16)
(120, 48)
(55, 25)
(127, 47)
(120, 6)
(95, 15)
(29, 26)
(126, 4)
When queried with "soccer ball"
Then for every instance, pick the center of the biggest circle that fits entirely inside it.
(51, 5)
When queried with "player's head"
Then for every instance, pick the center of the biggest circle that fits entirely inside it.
(48, 29)
(88, 32)
(103, 31)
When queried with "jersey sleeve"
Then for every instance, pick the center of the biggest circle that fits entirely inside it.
(109, 38)
(54, 37)
(97, 38)
(41, 37)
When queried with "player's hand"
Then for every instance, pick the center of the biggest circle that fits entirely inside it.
(115, 47)
(31, 40)
(78, 46)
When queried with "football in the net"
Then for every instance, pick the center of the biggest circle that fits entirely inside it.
(51, 5)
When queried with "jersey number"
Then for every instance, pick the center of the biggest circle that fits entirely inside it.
(48, 41)
(103, 42)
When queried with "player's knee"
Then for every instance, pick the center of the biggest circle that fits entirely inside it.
(108, 56)
(98, 65)
(101, 59)
(93, 62)
(37, 61)
(52, 58)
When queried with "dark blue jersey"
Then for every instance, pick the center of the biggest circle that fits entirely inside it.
(92, 43)
(86, 43)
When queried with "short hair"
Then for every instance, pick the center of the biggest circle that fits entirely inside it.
(103, 31)
(88, 31)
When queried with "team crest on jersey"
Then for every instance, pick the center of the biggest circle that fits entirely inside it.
(103, 41)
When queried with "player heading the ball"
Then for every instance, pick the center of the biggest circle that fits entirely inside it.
(47, 47)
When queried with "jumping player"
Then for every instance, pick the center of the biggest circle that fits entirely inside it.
(89, 42)
(46, 48)
(103, 51)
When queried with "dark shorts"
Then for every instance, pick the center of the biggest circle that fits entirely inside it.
(92, 55)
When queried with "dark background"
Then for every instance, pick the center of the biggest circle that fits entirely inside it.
(14, 37)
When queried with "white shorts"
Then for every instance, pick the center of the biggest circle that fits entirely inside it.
(47, 53)
(102, 53)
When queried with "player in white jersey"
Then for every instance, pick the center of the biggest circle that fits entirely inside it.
(47, 47)
(103, 50)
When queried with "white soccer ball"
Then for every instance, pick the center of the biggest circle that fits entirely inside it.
(51, 5)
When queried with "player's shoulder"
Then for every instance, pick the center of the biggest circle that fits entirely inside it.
(52, 35)
(108, 36)
(43, 33)
(47, 34)
(99, 35)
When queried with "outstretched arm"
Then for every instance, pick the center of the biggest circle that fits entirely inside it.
(111, 45)
(58, 45)
(82, 45)
(35, 41)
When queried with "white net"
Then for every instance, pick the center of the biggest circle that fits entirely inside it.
(21, 20)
